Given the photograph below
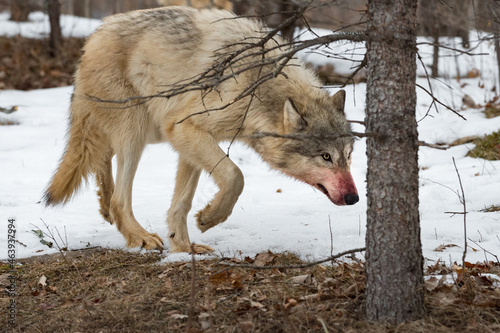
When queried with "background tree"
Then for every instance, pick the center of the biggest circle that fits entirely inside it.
(272, 12)
(20, 9)
(56, 40)
(394, 262)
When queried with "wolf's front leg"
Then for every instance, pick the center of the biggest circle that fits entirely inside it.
(230, 181)
(185, 187)
(201, 149)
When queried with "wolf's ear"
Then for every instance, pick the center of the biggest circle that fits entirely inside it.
(339, 100)
(292, 120)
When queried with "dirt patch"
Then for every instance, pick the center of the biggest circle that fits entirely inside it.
(26, 63)
(102, 290)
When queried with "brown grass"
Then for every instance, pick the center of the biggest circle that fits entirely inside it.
(101, 290)
(491, 209)
(487, 147)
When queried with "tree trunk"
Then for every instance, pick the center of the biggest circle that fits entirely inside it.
(272, 12)
(82, 8)
(435, 54)
(497, 51)
(394, 262)
(55, 43)
(20, 10)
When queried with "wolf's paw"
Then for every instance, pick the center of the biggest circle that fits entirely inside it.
(146, 240)
(201, 249)
(208, 218)
(192, 249)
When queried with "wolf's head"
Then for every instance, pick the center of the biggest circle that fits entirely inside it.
(315, 146)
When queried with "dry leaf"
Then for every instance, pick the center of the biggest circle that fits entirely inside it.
(432, 283)
(483, 281)
(43, 281)
(264, 258)
(245, 304)
(246, 326)
(307, 279)
(205, 323)
(486, 302)
(290, 303)
(168, 283)
(447, 298)
(469, 102)
(258, 295)
(443, 247)
(178, 316)
(164, 273)
(220, 277)
(236, 281)
(311, 297)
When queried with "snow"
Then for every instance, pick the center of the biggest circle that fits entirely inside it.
(38, 26)
(297, 218)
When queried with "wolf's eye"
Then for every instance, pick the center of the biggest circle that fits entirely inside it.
(327, 157)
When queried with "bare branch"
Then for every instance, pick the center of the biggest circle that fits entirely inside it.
(358, 68)
(439, 102)
(311, 136)
(192, 295)
(466, 52)
(432, 145)
(214, 76)
(430, 88)
(462, 200)
(314, 263)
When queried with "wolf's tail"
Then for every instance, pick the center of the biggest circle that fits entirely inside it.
(85, 152)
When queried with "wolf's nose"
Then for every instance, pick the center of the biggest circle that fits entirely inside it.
(351, 199)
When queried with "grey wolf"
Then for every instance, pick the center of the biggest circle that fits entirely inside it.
(141, 53)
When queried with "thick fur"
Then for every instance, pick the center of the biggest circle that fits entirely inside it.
(143, 52)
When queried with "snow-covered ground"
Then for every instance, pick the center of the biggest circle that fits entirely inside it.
(38, 26)
(297, 218)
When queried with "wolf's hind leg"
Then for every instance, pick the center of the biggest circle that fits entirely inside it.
(104, 179)
(185, 187)
(200, 148)
(121, 203)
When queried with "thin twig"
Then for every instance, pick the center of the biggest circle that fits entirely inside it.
(432, 145)
(314, 263)
(192, 297)
(439, 102)
(430, 88)
(486, 251)
(462, 200)
(260, 135)
(331, 235)
(356, 71)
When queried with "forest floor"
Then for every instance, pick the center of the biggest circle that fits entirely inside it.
(26, 63)
(104, 290)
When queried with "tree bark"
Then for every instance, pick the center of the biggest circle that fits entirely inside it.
(82, 8)
(55, 42)
(394, 263)
(272, 12)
